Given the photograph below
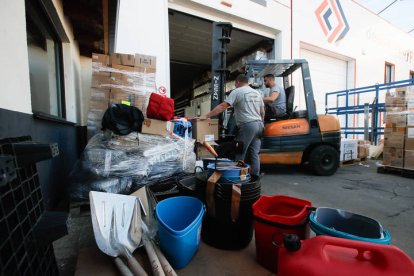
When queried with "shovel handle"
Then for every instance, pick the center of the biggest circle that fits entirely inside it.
(210, 148)
(155, 263)
(169, 271)
(123, 269)
(135, 267)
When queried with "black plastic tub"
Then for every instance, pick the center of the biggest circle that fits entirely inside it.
(218, 229)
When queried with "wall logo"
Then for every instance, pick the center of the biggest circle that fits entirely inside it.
(332, 20)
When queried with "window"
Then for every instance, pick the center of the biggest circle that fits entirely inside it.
(389, 72)
(45, 61)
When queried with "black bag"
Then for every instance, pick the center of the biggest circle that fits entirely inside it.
(122, 119)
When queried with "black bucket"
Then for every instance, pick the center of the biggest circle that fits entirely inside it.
(220, 230)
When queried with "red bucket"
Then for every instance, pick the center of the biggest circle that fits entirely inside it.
(275, 216)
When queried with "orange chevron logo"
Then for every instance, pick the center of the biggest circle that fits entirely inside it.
(332, 20)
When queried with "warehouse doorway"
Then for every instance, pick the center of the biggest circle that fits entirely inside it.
(190, 55)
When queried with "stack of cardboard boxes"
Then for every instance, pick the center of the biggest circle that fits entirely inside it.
(399, 129)
(119, 78)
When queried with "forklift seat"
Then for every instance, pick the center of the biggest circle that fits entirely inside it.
(290, 97)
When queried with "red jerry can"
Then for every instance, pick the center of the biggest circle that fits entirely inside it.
(325, 255)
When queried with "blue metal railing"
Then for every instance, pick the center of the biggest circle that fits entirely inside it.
(374, 108)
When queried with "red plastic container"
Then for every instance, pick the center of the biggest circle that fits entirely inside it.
(275, 216)
(325, 255)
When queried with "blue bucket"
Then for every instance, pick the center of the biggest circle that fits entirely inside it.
(321, 229)
(179, 228)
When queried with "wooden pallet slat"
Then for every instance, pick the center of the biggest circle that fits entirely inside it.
(397, 171)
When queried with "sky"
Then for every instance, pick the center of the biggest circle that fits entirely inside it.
(397, 12)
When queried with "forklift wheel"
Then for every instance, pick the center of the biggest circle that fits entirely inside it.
(324, 160)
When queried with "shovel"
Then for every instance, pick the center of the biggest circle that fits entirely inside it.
(116, 221)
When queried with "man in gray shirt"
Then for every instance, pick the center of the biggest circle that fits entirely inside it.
(275, 99)
(249, 112)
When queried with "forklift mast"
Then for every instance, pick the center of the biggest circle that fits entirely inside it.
(221, 36)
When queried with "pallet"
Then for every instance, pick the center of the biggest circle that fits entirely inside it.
(397, 171)
(352, 162)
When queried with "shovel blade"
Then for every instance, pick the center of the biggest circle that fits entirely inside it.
(117, 222)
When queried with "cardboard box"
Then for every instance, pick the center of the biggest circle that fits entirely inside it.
(202, 152)
(119, 80)
(349, 149)
(396, 120)
(121, 96)
(147, 62)
(158, 127)
(394, 139)
(393, 157)
(100, 94)
(410, 113)
(100, 60)
(101, 79)
(123, 69)
(122, 59)
(363, 148)
(409, 139)
(409, 159)
(396, 110)
(205, 130)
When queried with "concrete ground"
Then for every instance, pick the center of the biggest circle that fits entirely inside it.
(357, 188)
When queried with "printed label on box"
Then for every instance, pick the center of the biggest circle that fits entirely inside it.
(410, 132)
(209, 137)
(410, 119)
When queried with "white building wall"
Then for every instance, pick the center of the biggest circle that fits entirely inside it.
(371, 41)
(14, 69)
(142, 27)
(14, 72)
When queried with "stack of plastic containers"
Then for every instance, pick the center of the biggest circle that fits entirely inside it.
(274, 217)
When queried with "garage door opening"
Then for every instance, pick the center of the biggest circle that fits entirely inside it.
(191, 58)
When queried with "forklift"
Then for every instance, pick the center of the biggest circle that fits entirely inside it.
(299, 138)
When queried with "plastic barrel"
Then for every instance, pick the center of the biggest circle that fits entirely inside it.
(275, 216)
(179, 227)
(347, 225)
(219, 230)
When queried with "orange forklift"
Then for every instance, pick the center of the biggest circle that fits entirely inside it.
(301, 137)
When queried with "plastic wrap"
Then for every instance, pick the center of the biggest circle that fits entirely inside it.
(138, 158)
(119, 79)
